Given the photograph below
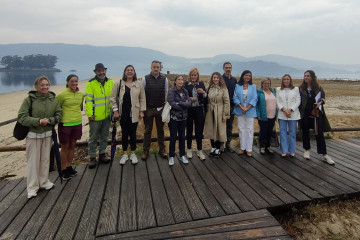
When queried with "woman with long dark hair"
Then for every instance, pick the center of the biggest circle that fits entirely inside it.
(128, 103)
(313, 115)
(245, 99)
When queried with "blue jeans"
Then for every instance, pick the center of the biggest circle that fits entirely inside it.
(287, 145)
(177, 129)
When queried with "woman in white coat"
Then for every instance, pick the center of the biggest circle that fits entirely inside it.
(288, 101)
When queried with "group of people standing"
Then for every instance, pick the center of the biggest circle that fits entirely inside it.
(210, 112)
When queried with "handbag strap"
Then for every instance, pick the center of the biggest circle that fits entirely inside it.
(30, 109)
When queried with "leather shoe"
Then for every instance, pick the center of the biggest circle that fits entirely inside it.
(92, 163)
(145, 155)
(103, 158)
(163, 154)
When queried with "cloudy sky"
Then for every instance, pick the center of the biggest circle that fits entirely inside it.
(325, 30)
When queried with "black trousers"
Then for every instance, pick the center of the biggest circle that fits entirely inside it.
(195, 115)
(307, 123)
(266, 129)
(215, 144)
(128, 129)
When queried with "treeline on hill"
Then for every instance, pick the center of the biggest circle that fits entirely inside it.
(32, 61)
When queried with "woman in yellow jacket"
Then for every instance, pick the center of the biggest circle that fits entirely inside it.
(70, 128)
(128, 103)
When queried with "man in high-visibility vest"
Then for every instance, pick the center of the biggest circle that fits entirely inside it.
(97, 104)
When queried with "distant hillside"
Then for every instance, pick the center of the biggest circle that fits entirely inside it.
(84, 57)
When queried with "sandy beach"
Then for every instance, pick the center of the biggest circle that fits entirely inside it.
(14, 163)
(342, 108)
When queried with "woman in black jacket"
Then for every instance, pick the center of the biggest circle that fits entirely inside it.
(197, 93)
(179, 101)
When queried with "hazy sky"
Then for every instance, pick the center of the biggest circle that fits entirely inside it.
(325, 30)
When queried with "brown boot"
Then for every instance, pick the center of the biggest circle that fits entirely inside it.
(163, 154)
(103, 158)
(145, 155)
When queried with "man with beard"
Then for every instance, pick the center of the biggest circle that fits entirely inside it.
(97, 103)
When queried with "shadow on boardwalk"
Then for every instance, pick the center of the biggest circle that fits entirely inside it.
(224, 198)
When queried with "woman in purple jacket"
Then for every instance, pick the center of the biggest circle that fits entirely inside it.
(179, 101)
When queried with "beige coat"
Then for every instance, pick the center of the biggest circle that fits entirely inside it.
(218, 108)
(138, 99)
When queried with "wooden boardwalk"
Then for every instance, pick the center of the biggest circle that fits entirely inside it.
(224, 198)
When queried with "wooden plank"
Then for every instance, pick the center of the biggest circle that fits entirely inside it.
(278, 178)
(109, 208)
(192, 199)
(12, 204)
(39, 217)
(58, 208)
(288, 178)
(220, 194)
(27, 211)
(78, 197)
(245, 216)
(355, 141)
(210, 203)
(9, 186)
(235, 162)
(127, 208)
(161, 204)
(267, 232)
(302, 175)
(177, 203)
(144, 205)
(224, 228)
(346, 154)
(236, 196)
(243, 187)
(87, 225)
(329, 173)
(281, 194)
(2, 185)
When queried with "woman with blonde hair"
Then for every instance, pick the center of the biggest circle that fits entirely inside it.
(45, 114)
(288, 101)
(266, 112)
(196, 113)
(217, 114)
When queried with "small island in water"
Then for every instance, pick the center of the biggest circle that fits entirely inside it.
(33, 62)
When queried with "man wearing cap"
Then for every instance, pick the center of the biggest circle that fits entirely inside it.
(97, 103)
(156, 88)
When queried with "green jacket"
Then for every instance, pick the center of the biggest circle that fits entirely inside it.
(303, 103)
(97, 98)
(43, 106)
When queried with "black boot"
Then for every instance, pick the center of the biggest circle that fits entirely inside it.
(103, 158)
(66, 174)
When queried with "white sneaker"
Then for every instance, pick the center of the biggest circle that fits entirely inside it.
(31, 195)
(328, 159)
(123, 159)
(307, 154)
(133, 158)
(171, 161)
(49, 185)
(189, 153)
(201, 155)
(184, 159)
